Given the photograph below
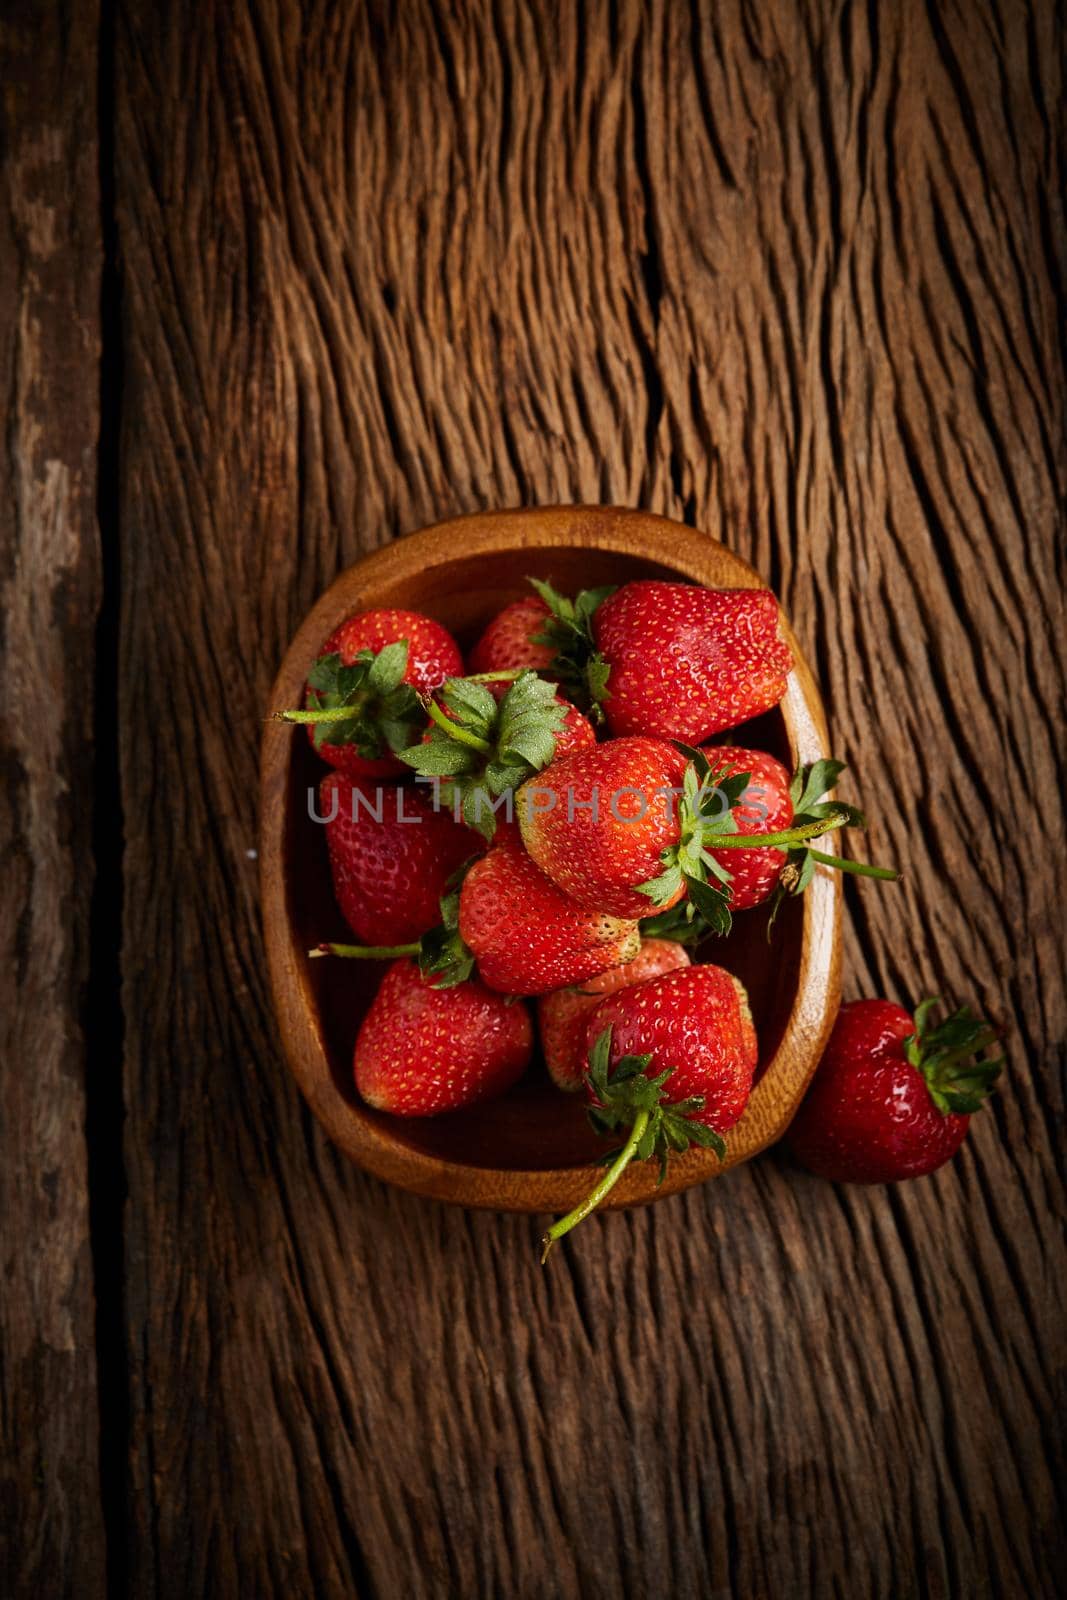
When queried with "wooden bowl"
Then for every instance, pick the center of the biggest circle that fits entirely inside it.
(532, 1149)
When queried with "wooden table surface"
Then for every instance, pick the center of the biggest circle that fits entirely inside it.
(281, 283)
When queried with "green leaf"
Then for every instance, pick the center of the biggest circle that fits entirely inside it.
(588, 600)
(568, 630)
(806, 873)
(629, 1091)
(597, 675)
(707, 1137)
(681, 923)
(440, 758)
(386, 671)
(813, 782)
(442, 952)
(660, 890)
(530, 722)
(471, 704)
(945, 1055)
(385, 711)
(712, 903)
(558, 604)
(500, 776)
(449, 904)
(336, 682)
(922, 1013)
(477, 809)
(529, 746)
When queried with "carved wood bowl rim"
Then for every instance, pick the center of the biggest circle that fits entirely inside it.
(379, 1144)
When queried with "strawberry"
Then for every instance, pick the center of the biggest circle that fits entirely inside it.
(670, 660)
(525, 934)
(634, 822)
(423, 1049)
(563, 1014)
(892, 1096)
(670, 1061)
(362, 701)
(598, 822)
(485, 739)
(687, 662)
(391, 856)
(764, 806)
(511, 640)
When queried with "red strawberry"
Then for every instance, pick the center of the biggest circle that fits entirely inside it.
(670, 1063)
(687, 662)
(764, 807)
(362, 702)
(391, 855)
(485, 739)
(633, 823)
(563, 1014)
(526, 935)
(695, 1021)
(509, 640)
(598, 822)
(669, 660)
(892, 1095)
(423, 1049)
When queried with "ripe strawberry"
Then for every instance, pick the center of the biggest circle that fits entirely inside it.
(391, 856)
(423, 1049)
(526, 935)
(510, 640)
(563, 1014)
(763, 807)
(484, 740)
(634, 822)
(362, 701)
(670, 660)
(671, 1062)
(598, 822)
(892, 1095)
(688, 662)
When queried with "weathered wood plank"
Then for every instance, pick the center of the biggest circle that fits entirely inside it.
(791, 274)
(51, 1528)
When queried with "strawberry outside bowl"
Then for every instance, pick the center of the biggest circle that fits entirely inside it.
(532, 1149)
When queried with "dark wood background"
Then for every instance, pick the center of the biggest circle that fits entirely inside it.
(278, 284)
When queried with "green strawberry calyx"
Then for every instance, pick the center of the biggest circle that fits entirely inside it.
(568, 630)
(629, 1097)
(366, 703)
(479, 749)
(706, 822)
(945, 1055)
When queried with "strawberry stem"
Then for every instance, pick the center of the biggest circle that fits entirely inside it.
(789, 836)
(495, 677)
(455, 730)
(606, 1184)
(365, 952)
(861, 869)
(323, 714)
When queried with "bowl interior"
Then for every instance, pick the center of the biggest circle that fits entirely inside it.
(534, 1127)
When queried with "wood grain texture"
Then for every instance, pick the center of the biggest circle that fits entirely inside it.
(51, 1528)
(792, 274)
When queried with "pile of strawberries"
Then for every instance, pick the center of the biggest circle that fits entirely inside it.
(554, 822)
